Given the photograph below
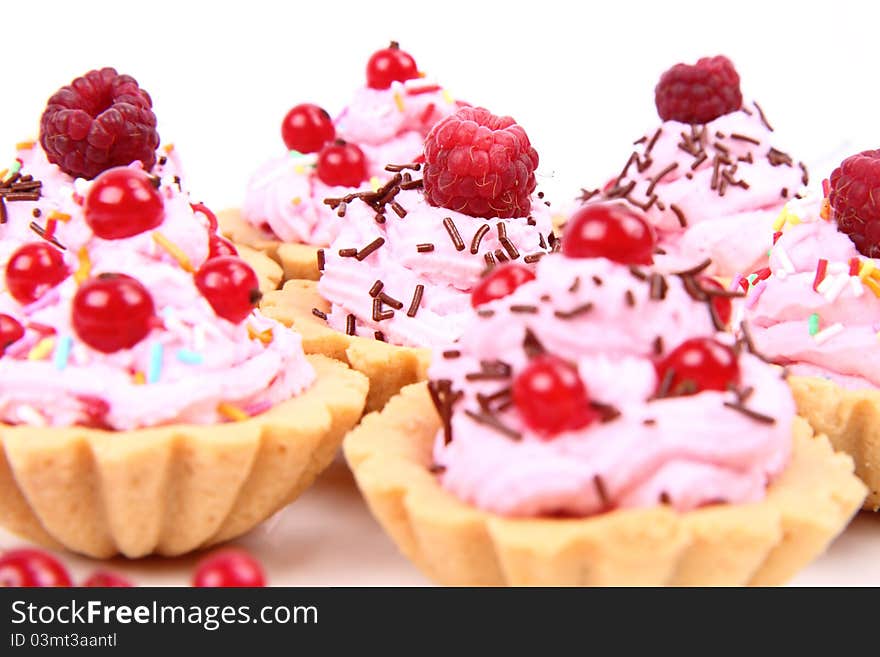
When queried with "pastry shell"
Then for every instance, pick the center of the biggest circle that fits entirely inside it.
(851, 420)
(454, 543)
(388, 367)
(296, 260)
(173, 489)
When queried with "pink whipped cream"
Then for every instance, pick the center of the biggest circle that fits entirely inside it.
(445, 273)
(710, 191)
(186, 365)
(687, 451)
(285, 197)
(829, 330)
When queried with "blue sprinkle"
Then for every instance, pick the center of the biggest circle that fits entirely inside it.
(157, 351)
(62, 351)
(189, 357)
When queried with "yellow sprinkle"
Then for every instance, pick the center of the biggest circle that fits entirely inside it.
(779, 222)
(85, 265)
(58, 216)
(299, 169)
(25, 145)
(374, 183)
(42, 349)
(825, 212)
(398, 100)
(867, 269)
(448, 97)
(265, 337)
(793, 219)
(3, 173)
(874, 274)
(422, 74)
(874, 286)
(140, 378)
(168, 148)
(232, 412)
(296, 200)
(174, 251)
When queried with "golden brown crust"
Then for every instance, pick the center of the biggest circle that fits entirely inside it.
(173, 489)
(268, 271)
(457, 544)
(850, 419)
(296, 260)
(388, 367)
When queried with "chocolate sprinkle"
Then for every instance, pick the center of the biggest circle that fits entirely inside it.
(524, 309)
(658, 346)
(490, 260)
(748, 412)
(478, 237)
(574, 312)
(444, 399)
(630, 298)
(348, 253)
(601, 491)
(533, 257)
(451, 353)
(391, 301)
(424, 248)
(576, 283)
(416, 301)
(320, 314)
(350, 325)
(607, 412)
(761, 115)
(320, 259)
(39, 230)
(370, 248)
(376, 289)
(378, 335)
(494, 423)
(696, 269)
(532, 346)
(682, 220)
(437, 469)
(454, 235)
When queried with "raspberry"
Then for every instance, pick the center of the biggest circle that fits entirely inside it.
(855, 200)
(480, 164)
(99, 121)
(698, 93)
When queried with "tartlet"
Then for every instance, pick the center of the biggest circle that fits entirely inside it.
(147, 407)
(590, 427)
(398, 277)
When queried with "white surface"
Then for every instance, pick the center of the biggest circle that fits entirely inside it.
(580, 79)
(329, 538)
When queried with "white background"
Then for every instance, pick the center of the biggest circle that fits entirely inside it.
(578, 76)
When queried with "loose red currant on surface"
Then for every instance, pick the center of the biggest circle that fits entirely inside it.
(613, 231)
(112, 312)
(551, 397)
(722, 306)
(389, 65)
(34, 269)
(230, 286)
(220, 246)
(123, 202)
(343, 164)
(306, 128)
(697, 365)
(229, 568)
(500, 282)
(32, 568)
(104, 578)
(10, 331)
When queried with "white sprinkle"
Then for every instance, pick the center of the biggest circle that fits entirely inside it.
(784, 260)
(826, 283)
(837, 268)
(31, 416)
(826, 334)
(855, 284)
(840, 282)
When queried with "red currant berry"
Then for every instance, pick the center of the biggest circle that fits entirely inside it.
(123, 202)
(306, 128)
(343, 164)
(10, 331)
(500, 282)
(551, 397)
(697, 365)
(112, 312)
(722, 306)
(33, 270)
(389, 65)
(106, 579)
(227, 568)
(31, 568)
(230, 286)
(220, 246)
(604, 230)
(213, 224)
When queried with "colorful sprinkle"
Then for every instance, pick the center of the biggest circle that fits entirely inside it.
(821, 268)
(62, 351)
(174, 251)
(16, 167)
(867, 269)
(826, 334)
(139, 379)
(873, 285)
(168, 148)
(855, 284)
(154, 370)
(825, 212)
(299, 169)
(232, 412)
(63, 217)
(25, 145)
(398, 100)
(784, 260)
(42, 349)
(296, 200)
(736, 282)
(265, 337)
(84, 269)
(295, 154)
(448, 97)
(776, 236)
(813, 324)
(375, 183)
(853, 266)
(836, 288)
(826, 187)
(190, 357)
